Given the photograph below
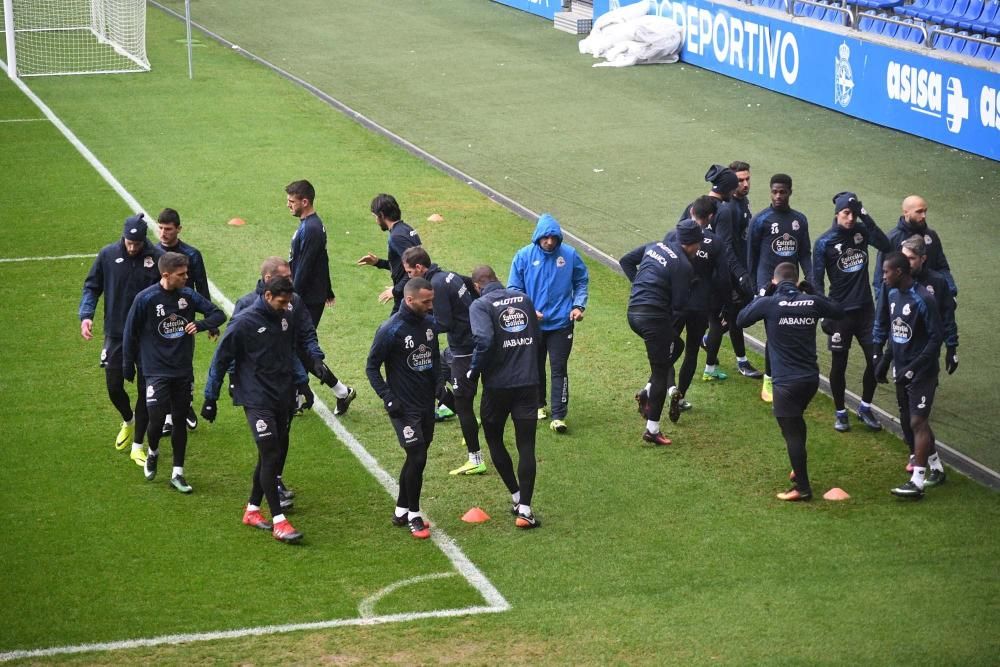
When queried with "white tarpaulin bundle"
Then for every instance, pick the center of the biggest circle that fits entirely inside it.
(630, 36)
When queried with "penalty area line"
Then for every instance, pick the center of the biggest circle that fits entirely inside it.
(496, 602)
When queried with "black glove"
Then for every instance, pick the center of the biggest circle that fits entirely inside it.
(393, 407)
(826, 324)
(746, 285)
(129, 373)
(770, 289)
(880, 362)
(951, 359)
(857, 208)
(324, 374)
(232, 389)
(304, 398)
(209, 409)
(806, 287)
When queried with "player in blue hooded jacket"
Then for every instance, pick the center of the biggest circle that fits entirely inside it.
(554, 276)
(841, 253)
(790, 313)
(159, 338)
(121, 270)
(908, 319)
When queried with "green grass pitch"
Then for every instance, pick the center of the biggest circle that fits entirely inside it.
(674, 555)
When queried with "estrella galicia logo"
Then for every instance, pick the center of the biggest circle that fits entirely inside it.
(852, 260)
(901, 331)
(421, 359)
(172, 326)
(784, 245)
(843, 78)
(513, 320)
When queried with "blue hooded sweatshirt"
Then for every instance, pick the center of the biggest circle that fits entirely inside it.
(556, 281)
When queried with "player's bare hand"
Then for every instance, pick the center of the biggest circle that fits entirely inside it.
(385, 296)
(576, 315)
(539, 316)
(368, 260)
(329, 302)
(87, 329)
(191, 328)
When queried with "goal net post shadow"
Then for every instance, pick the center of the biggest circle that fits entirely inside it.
(58, 37)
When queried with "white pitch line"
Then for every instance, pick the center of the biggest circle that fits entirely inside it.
(244, 632)
(4, 260)
(23, 120)
(464, 566)
(366, 609)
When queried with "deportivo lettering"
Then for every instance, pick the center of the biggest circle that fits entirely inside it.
(421, 359)
(784, 245)
(901, 331)
(172, 326)
(852, 260)
(515, 342)
(513, 320)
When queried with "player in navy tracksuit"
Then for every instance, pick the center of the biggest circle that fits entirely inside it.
(401, 237)
(937, 286)
(554, 275)
(914, 221)
(406, 344)
(661, 277)
(159, 338)
(790, 314)
(169, 222)
(452, 300)
(308, 256)
(121, 271)
(506, 335)
(842, 254)
(908, 319)
(777, 234)
(731, 224)
(709, 290)
(276, 267)
(263, 341)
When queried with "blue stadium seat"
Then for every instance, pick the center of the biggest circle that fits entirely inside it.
(866, 23)
(911, 9)
(972, 12)
(911, 34)
(986, 14)
(957, 10)
(933, 9)
(986, 50)
(988, 22)
(995, 56)
(878, 4)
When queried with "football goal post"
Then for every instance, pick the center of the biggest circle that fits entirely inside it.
(51, 37)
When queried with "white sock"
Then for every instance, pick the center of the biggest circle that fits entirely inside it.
(475, 458)
(136, 446)
(412, 515)
(672, 391)
(649, 385)
(709, 368)
(652, 427)
(919, 475)
(169, 421)
(842, 413)
(178, 470)
(934, 461)
(252, 508)
(340, 390)
(524, 509)
(152, 453)
(864, 406)
(131, 421)
(515, 497)
(401, 511)
(741, 360)
(277, 518)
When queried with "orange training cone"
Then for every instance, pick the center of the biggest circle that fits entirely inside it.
(435, 217)
(836, 493)
(237, 222)
(475, 515)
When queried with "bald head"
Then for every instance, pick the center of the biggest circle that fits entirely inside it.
(915, 211)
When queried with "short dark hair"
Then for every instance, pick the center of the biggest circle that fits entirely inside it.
(386, 206)
(786, 271)
(784, 179)
(916, 244)
(739, 165)
(416, 255)
(484, 274)
(704, 207)
(279, 286)
(414, 285)
(169, 216)
(897, 260)
(271, 265)
(171, 261)
(301, 189)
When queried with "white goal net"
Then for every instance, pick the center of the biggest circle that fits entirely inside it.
(76, 36)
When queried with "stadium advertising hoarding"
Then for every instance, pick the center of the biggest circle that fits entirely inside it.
(546, 8)
(946, 102)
